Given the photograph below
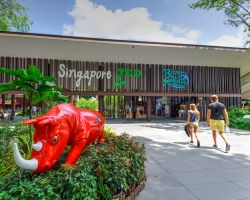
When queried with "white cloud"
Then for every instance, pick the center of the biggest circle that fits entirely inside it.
(178, 29)
(92, 20)
(236, 40)
(193, 34)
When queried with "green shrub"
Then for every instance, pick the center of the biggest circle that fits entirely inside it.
(91, 104)
(102, 171)
(9, 134)
(236, 119)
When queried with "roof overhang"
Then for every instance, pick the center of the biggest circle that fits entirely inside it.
(105, 50)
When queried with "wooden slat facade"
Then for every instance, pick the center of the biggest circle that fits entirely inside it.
(204, 80)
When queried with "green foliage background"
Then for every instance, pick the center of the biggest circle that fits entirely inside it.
(91, 104)
(13, 16)
(236, 119)
(236, 11)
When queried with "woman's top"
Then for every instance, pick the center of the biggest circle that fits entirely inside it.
(181, 111)
(193, 117)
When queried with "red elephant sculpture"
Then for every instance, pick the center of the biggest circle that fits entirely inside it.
(63, 125)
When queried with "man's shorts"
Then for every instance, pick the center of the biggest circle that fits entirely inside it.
(217, 125)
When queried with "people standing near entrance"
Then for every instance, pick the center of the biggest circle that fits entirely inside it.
(181, 112)
(134, 110)
(34, 111)
(193, 122)
(2, 114)
(216, 114)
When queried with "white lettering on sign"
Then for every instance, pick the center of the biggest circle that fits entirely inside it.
(64, 72)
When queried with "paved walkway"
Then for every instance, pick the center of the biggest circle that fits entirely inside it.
(177, 170)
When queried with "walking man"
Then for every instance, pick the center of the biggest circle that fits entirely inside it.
(215, 118)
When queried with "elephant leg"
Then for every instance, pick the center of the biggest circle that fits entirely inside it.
(75, 151)
(101, 137)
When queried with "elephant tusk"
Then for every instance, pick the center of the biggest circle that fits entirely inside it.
(22, 163)
(38, 146)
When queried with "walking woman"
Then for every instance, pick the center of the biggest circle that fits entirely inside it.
(193, 120)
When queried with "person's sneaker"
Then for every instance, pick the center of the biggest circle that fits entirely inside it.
(191, 141)
(198, 143)
(215, 146)
(228, 146)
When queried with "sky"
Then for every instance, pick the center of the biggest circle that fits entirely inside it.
(170, 21)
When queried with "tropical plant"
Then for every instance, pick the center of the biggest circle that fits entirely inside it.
(83, 103)
(7, 137)
(103, 171)
(248, 105)
(13, 16)
(35, 86)
(236, 11)
(236, 118)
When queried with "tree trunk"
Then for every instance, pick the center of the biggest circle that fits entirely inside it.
(30, 106)
(23, 105)
(30, 142)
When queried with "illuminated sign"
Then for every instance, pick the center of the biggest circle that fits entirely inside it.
(175, 79)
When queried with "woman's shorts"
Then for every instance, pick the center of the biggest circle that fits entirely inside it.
(193, 124)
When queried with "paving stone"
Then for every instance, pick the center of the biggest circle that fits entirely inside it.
(177, 170)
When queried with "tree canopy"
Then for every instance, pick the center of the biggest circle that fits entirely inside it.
(236, 11)
(13, 16)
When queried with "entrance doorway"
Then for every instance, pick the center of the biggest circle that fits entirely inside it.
(114, 107)
(142, 107)
(135, 107)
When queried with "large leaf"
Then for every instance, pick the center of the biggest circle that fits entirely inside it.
(36, 98)
(58, 87)
(31, 78)
(19, 72)
(27, 94)
(57, 96)
(7, 86)
(44, 91)
(34, 71)
(51, 85)
(23, 85)
(48, 78)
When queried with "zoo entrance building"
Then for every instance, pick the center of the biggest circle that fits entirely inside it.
(150, 76)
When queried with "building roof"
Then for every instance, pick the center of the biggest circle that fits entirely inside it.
(122, 51)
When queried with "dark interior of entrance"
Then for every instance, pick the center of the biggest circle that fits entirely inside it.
(138, 107)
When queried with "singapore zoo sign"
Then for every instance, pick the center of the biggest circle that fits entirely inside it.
(64, 72)
(171, 78)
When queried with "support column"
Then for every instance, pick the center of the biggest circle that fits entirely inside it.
(3, 101)
(42, 107)
(101, 104)
(148, 108)
(200, 108)
(12, 114)
(71, 99)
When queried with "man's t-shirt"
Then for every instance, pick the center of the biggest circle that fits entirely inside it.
(216, 110)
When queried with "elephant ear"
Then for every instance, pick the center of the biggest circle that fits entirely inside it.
(42, 120)
(30, 121)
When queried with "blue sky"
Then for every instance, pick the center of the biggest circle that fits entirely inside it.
(146, 20)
